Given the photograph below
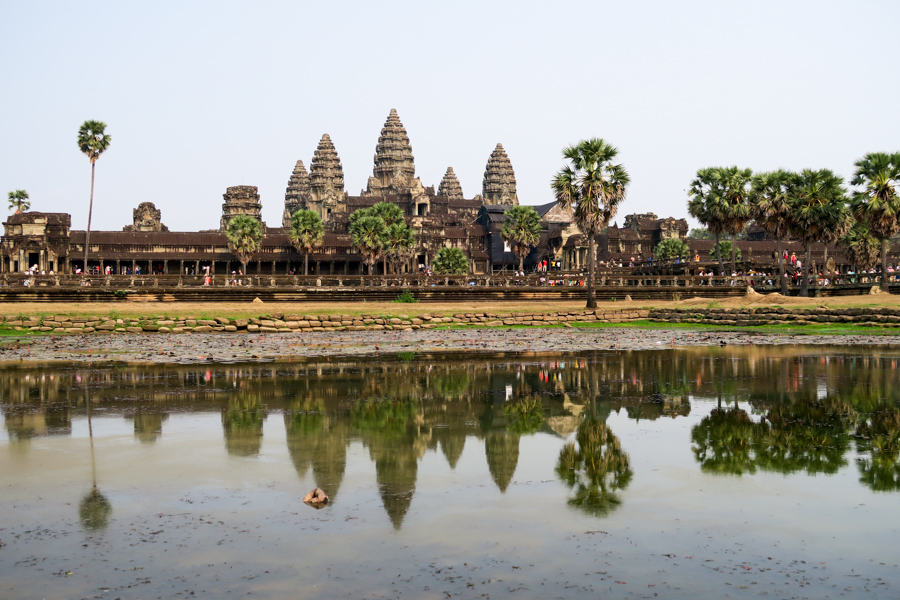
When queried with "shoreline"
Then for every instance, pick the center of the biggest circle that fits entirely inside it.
(211, 348)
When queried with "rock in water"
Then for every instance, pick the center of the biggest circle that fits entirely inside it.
(316, 498)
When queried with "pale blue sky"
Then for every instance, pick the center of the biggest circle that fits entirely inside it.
(199, 96)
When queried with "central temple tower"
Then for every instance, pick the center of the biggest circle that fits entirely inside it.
(395, 169)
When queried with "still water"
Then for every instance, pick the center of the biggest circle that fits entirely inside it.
(701, 472)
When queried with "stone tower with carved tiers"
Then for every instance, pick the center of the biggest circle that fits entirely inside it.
(326, 180)
(499, 186)
(241, 200)
(395, 169)
(450, 186)
(297, 193)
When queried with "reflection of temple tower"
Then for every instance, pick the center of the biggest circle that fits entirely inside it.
(321, 442)
(499, 186)
(242, 423)
(297, 194)
(396, 470)
(502, 451)
(326, 180)
(148, 425)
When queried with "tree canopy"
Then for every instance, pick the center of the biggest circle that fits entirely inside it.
(450, 261)
(521, 230)
(18, 199)
(307, 234)
(245, 236)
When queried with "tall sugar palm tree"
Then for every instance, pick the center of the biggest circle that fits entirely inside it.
(367, 233)
(307, 233)
(399, 241)
(705, 205)
(736, 191)
(92, 141)
(391, 214)
(593, 186)
(818, 211)
(522, 231)
(876, 202)
(450, 261)
(19, 200)
(245, 237)
(770, 207)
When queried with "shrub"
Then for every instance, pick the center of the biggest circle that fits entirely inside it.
(406, 297)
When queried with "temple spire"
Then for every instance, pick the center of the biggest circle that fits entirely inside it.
(326, 178)
(296, 194)
(450, 186)
(395, 169)
(499, 186)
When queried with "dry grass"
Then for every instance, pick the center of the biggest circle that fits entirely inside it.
(249, 309)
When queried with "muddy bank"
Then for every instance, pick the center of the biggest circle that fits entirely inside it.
(203, 347)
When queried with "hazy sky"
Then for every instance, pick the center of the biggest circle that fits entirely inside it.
(199, 96)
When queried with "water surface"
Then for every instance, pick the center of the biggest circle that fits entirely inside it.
(737, 472)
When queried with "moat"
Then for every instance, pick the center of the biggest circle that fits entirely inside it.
(705, 471)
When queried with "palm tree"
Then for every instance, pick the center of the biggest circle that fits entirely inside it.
(593, 187)
(706, 206)
(391, 214)
(450, 261)
(92, 141)
(245, 236)
(671, 248)
(399, 240)
(736, 193)
(860, 247)
(19, 200)
(367, 233)
(878, 203)
(307, 234)
(818, 211)
(770, 207)
(522, 231)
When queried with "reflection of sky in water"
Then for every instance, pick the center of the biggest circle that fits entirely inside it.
(183, 499)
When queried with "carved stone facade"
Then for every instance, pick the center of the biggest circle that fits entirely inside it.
(395, 169)
(35, 239)
(450, 186)
(296, 195)
(499, 185)
(240, 200)
(146, 218)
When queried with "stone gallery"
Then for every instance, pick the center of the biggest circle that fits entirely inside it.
(439, 218)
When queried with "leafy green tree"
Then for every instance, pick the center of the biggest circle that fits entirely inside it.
(725, 247)
(399, 242)
(19, 200)
(307, 234)
(522, 231)
(597, 468)
(876, 202)
(245, 237)
(672, 248)
(593, 186)
(706, 206)
(771, 209)
(861, 247)
(723, 442)
(818, 212)
(450, 261)
(367, 233)
(92, 141)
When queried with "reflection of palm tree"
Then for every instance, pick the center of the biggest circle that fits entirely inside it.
(94, 510)
(596, 469)
(723, 442)
(524, 417)
(879, 434)
(242, 422)
(502, 451)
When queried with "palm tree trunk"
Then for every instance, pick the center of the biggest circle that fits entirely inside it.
(804, 281)
(591, 297)
(306, 263)
(781, 277)
(87, 233)
(733, 253)
(719, 255)
(884, 279)
(384, 264)
(521, 263)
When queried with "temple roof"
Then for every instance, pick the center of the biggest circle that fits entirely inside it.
(450, 186)
(326, 171)
(499, 185)
(395, 169)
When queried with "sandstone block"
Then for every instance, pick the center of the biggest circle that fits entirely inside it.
(253, 328)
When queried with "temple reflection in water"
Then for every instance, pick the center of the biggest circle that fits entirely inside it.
(782, 409)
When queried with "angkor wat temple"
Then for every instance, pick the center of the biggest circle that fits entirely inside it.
(440, 218)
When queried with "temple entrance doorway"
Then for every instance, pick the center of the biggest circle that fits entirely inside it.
(34, 259)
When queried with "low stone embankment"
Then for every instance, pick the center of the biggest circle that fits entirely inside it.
(745, 317)
(282, 323)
